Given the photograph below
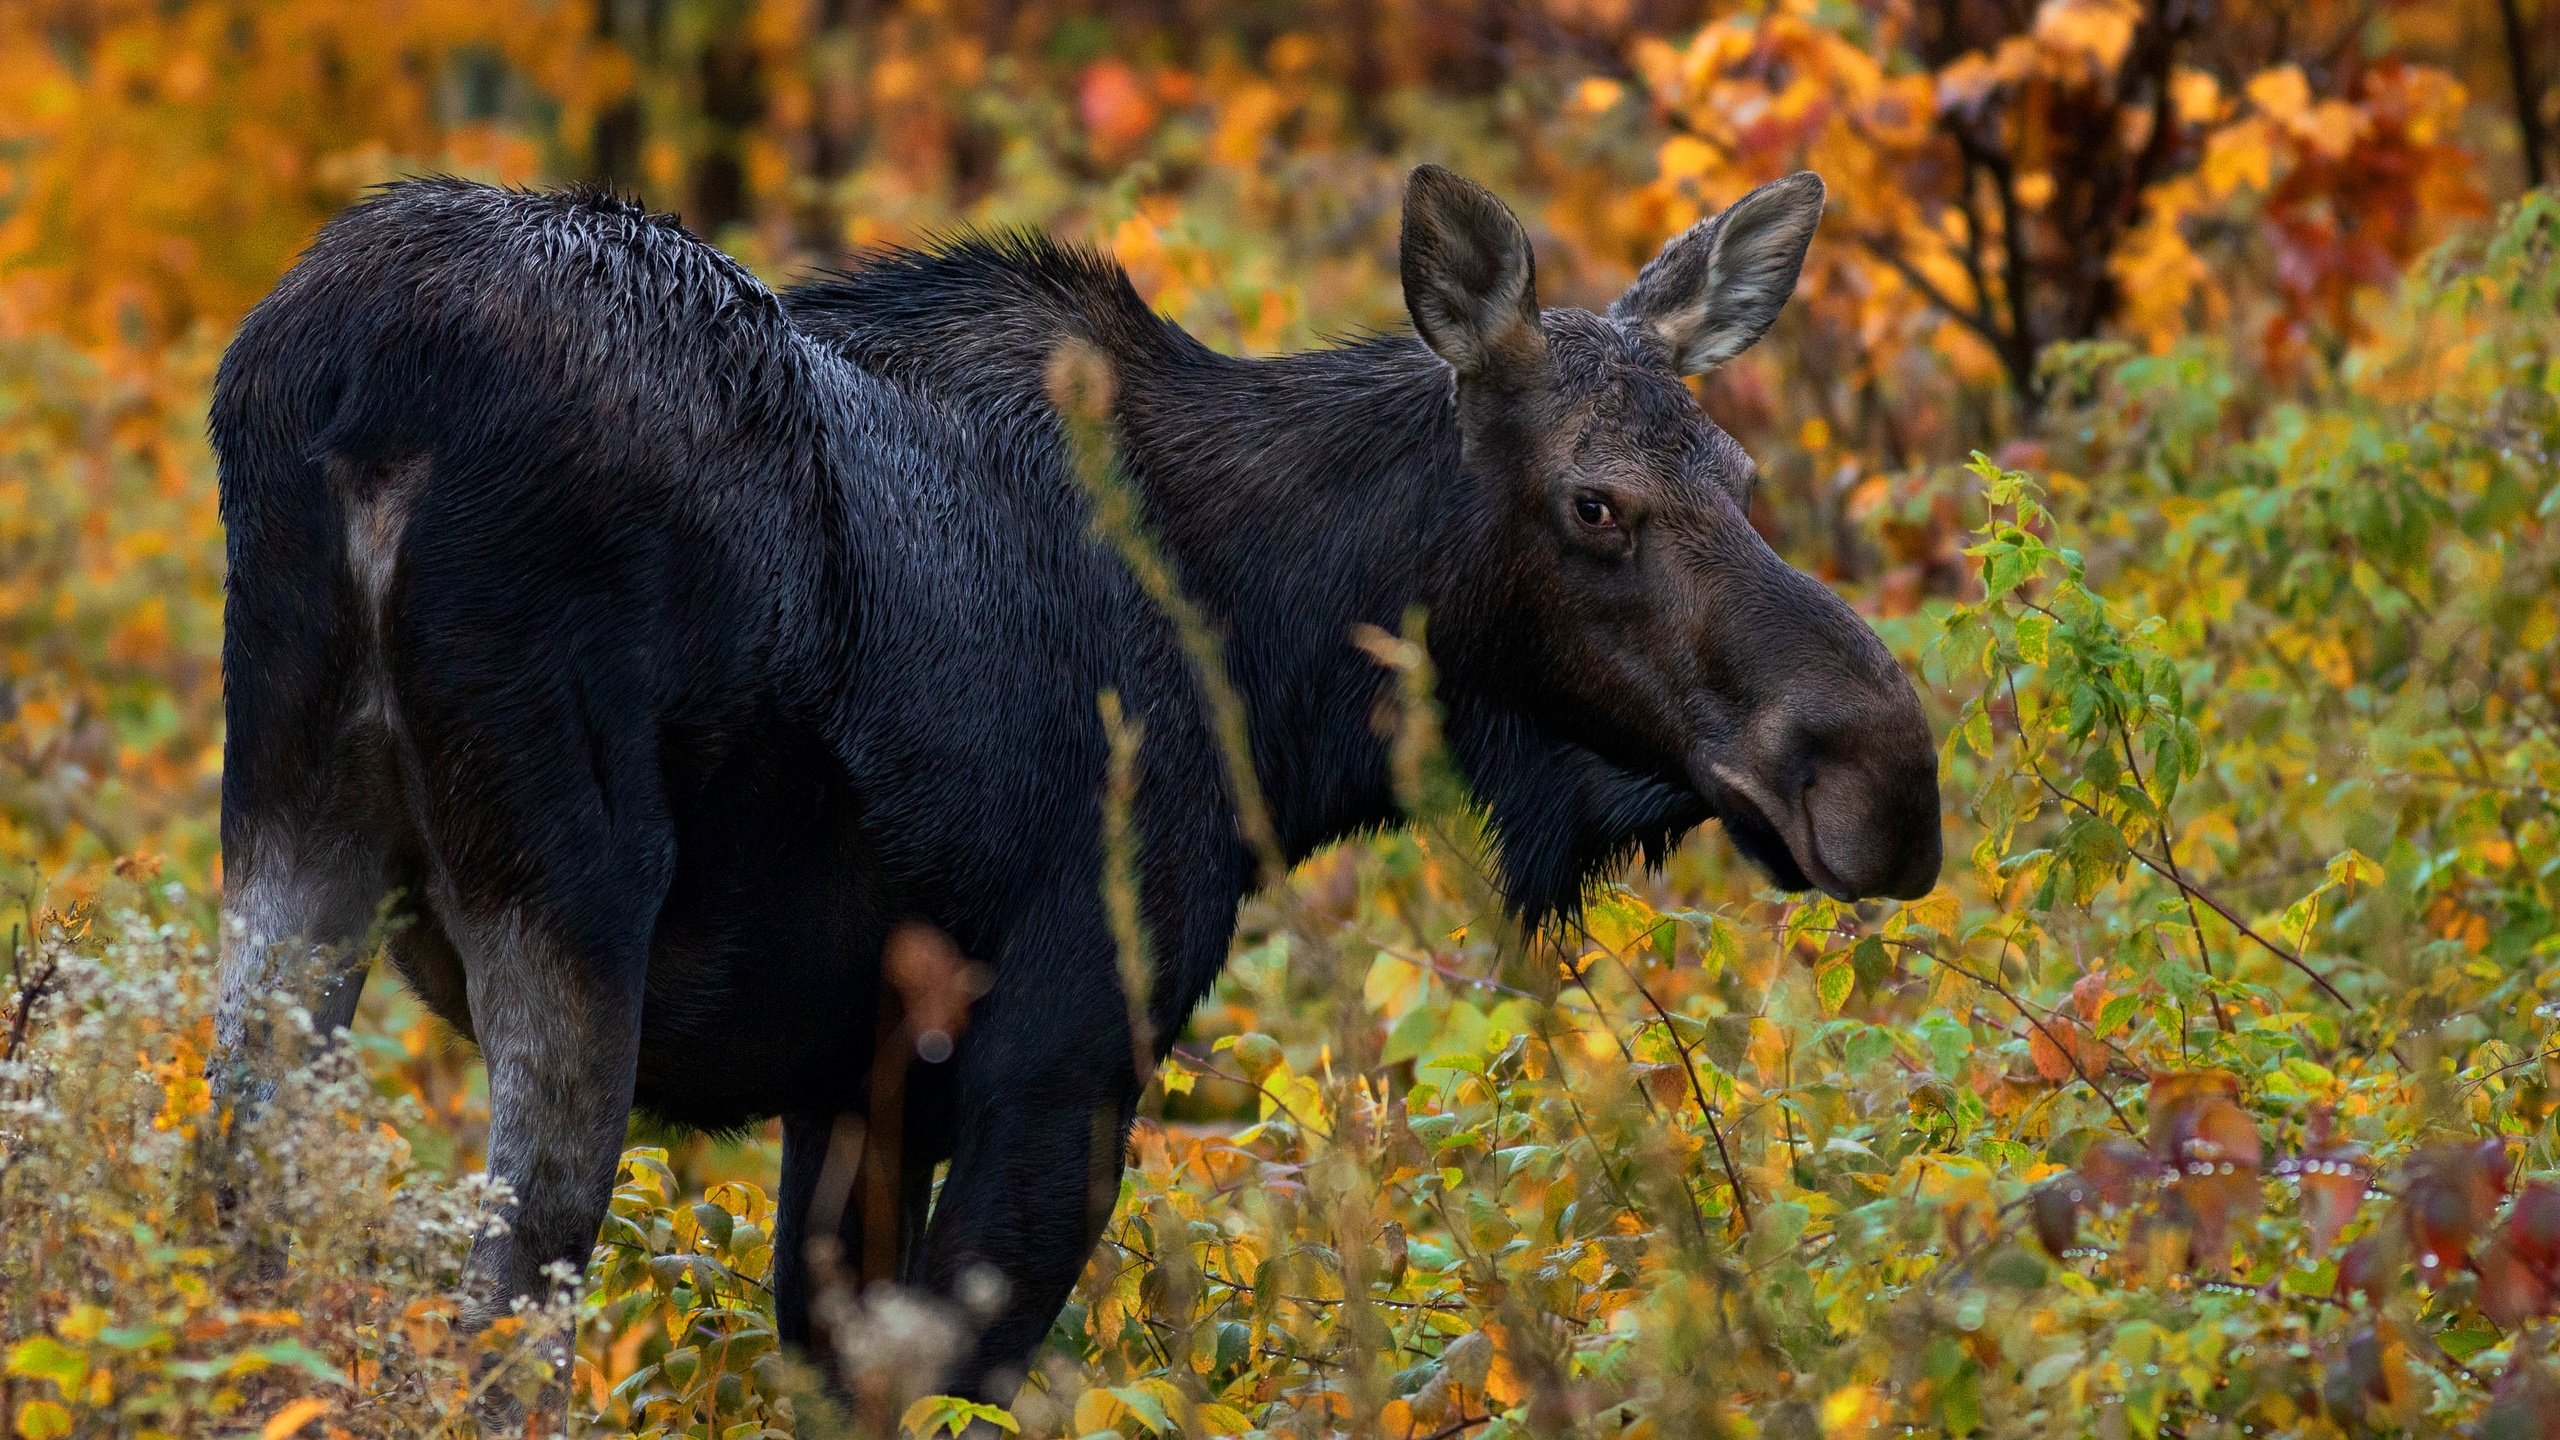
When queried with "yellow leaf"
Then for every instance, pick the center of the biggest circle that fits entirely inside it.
(1686, 157)
(2281, 93)
(1098, 1409)
(2332, 127)
(1220, 1419)
(1597, 93)
(1938, 910)
(1832, 983)
(2195, 95)
(1851, 1411)
(2353, 867)
(1502, 1384)
(1622, 921)
(43, 1420)
(1767, 1049)
(2099, 31)
(1967, 81)
(293, 1417)
(2237, 157)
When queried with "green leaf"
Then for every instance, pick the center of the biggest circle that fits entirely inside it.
(1868, 961)
(712, 1222)
(949, 1415)
(1148, 1408)
(45, 1358)
(2035, 635)
(2117, 1013)
(1833, 981)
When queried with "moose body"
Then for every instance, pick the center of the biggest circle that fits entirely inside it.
(665, 645)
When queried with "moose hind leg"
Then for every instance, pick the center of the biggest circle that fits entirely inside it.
(819, 1184)
(298, 908)
(559, 1028)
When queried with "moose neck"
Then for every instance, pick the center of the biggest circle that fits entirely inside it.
(1300, 500)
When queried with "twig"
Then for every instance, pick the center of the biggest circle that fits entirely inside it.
(2069, 1058)
(1689, 1067)
(2168, 852)
(1203, 1065)
(2192, 891)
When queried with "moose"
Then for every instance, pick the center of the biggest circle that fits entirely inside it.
(662, 646)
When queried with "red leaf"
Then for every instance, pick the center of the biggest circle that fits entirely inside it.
(2533, 1228)
(2056, 1212)
(2115, 1168)
(2510, 1291)
(2362, 1269)
(2453, 1192)
(2210, 1150)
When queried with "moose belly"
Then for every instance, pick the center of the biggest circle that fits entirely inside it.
(765, 966)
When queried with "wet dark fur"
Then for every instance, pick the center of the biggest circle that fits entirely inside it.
(727, 632)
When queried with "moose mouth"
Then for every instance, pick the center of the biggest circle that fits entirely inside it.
(1777, 837)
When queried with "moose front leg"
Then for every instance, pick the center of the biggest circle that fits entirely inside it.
(827, 1227)
(1047, 1092)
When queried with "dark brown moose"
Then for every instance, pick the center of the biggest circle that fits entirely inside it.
(665, 645)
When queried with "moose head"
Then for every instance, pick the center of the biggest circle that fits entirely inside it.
(1621, 595)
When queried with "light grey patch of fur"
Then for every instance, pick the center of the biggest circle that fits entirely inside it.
(294, 924)
(1716, 287)
(377, 516)
(562, 1058)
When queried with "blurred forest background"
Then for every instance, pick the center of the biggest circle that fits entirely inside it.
(2175, 382)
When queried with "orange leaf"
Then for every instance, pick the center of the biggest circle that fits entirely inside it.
(1115, 110)
(292, 1418)
(2049, 1060)
(2334, 1178)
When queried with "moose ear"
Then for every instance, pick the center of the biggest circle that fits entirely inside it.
(1719, 284)
(1470, 280)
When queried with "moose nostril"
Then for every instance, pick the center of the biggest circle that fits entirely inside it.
(1870, 797)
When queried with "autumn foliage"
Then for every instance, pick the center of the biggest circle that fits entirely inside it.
(2177, 387)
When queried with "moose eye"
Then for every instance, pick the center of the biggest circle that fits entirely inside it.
(1595, 512)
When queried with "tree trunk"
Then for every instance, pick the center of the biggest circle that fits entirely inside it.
(2528, 96)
